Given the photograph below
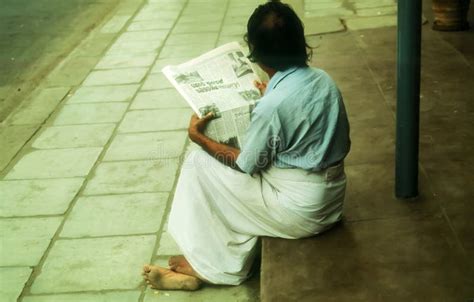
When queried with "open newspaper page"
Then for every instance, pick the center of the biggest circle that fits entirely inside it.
(221, 81)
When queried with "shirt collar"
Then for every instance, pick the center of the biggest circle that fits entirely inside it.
(278, 77)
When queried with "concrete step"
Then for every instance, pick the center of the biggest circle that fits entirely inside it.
(388, 249)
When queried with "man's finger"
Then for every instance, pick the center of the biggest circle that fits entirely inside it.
(208, 116)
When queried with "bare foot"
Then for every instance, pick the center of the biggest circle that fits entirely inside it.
(181, 265)
(162, 278)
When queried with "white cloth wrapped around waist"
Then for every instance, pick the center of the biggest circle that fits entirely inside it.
(311, 201)
(218, 213)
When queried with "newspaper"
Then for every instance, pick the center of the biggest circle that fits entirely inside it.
(220, 81)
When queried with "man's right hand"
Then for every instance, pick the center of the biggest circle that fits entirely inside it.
(198, 125)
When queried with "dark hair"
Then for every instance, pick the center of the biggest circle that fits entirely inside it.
(275, 36)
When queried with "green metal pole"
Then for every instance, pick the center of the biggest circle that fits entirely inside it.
(408, 98)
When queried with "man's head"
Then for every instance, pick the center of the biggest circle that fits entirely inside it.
(275, 36)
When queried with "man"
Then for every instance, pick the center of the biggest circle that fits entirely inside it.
(288, 179)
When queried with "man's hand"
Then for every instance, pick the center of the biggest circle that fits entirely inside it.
(261, 86)
(223, 153)
(198, 125)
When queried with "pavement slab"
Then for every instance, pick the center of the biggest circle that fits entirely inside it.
(358, 4)
(12, 280)
(151, 12)
(55, 163)
(168, 246)
(156, 81)
(73, 114)
(155, 38)
(159, 99)
(146, 35)
(133, 177)
(97, 94)
(190, 17)
(377, 11)
(244, 3)
(323, 25)
(322, 5)
(134, 47)
(380, 180)
(12, 139)
(455, 199)
(126, 60)
(115, 76)
(358, 75)
(151, 24)
(205, 8)
(196, 27)
(75, 136)
(37, 197)
(160, 63)
(130, 214)
(161, 261)
(72, 72)
(167, 3)
(381, 135)
(152, 145)
(234, 29)
(94, 264)
(24, 240)
(339, 45)
(40, 107)
(371, 22)
(121, 296)
(115, 24)
(94, 45)
(192, 39)
(431, 266)
(236, 20)
(339, 11)
(184, 51)
(243, 293)
(226, 39)
(155, 120)
(243, 11)
(328, 62)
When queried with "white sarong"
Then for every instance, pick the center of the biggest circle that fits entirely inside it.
(218, 213)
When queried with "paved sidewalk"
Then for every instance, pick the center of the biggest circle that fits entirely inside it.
(85, 200)
(84, 203)
(330, 16)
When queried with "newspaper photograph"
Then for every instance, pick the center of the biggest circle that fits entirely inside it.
(220, 81)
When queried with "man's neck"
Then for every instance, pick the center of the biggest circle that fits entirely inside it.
(268, 70)
(271, 72)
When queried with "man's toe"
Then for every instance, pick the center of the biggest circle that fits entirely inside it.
(146, 268)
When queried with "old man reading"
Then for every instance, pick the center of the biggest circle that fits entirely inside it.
(286, 181)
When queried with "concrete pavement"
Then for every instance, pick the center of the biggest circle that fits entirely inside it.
(90, 162)
(85, 200)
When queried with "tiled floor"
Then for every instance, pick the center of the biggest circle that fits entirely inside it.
(85, 201)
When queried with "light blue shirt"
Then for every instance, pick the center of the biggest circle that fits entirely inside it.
(300, 122)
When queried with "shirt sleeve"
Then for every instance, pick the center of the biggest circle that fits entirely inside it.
(262, 141)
